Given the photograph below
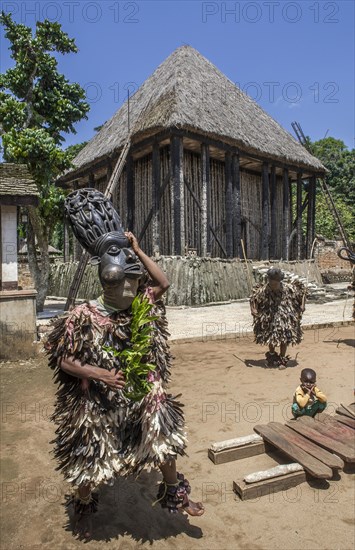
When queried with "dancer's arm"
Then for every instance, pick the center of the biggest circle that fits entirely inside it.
(88, 372)
(160, 281)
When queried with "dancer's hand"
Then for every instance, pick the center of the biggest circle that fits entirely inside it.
(133, 241)
(114, 380)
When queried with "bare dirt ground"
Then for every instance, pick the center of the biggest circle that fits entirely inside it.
(226, 392)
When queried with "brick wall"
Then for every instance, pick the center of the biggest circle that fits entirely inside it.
(332, 268)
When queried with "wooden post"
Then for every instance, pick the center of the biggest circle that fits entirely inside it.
(91, 183)
(311, 211)
(299, 216)
(273, 236)
(237, 211)
(286, 215)
(205, 201)
(108, 172)
(265, 231)
(77, 249)
(228, 204)
(178, 206)
(155, 197)
(130, 193)
(314, 189)
(66, 243)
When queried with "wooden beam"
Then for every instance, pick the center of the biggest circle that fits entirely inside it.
(155, 197)
(237, 208)
(310, 215)
(286, 215)
(66, 243)
(248, 491)
(91, 183)
(228, 204)
(178, 206)
(205, 201)
(299, 216)
(265, 230)
(109, 171)
(130, 192)
(273, 214)
(237, 453)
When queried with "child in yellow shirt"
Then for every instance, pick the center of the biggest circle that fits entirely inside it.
(308, 399)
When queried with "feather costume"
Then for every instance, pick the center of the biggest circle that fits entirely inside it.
(101, 433)
(279, 313)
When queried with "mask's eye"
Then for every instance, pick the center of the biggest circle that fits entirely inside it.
(113, 250)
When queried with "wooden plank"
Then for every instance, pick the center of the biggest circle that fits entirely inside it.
(345, 411)
(326, 419)
(247, 491)
(299, 216)
(228, 204)
(237, 209)
(333, 430)
(205, 201)
(286, 215)
(265, 212)
(312, 465)
(342, 450)
(177, 173)
(156, 197)
(237, 453)
(345, 420)
(330, 459)
(130, 193)
(273, 217)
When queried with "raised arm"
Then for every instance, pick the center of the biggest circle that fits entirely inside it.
(160, 281)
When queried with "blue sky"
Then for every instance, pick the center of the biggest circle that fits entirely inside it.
(295, 58)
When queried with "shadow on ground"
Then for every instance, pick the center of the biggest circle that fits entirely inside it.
(129, 499)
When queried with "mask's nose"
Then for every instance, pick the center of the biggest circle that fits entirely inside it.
(112, 274)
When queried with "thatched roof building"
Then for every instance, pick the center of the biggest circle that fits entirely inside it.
(208, 166)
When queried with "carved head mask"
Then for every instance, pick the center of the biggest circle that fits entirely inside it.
(98, 228)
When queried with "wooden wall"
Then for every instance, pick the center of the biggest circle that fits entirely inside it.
(251, 205)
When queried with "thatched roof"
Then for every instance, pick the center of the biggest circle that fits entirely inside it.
(187, 91)
(17, 186)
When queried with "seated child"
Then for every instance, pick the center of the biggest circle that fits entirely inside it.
(308, 399)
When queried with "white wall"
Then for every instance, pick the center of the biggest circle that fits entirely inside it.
(9, 244)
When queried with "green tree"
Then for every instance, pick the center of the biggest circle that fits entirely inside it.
(340, 161)
(37, 105)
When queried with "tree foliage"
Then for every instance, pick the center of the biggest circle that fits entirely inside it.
(340, 161)
(37, 105)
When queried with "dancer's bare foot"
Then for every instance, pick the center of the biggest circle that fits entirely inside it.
(194, 508)
(83, 525)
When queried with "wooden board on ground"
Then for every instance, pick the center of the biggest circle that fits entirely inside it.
(330, 459)
(345, 420)
(269, 486)
(345, 452)
(228, 455)
(334, 430)
(312, 465)
(328, 420)
(345, 412)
